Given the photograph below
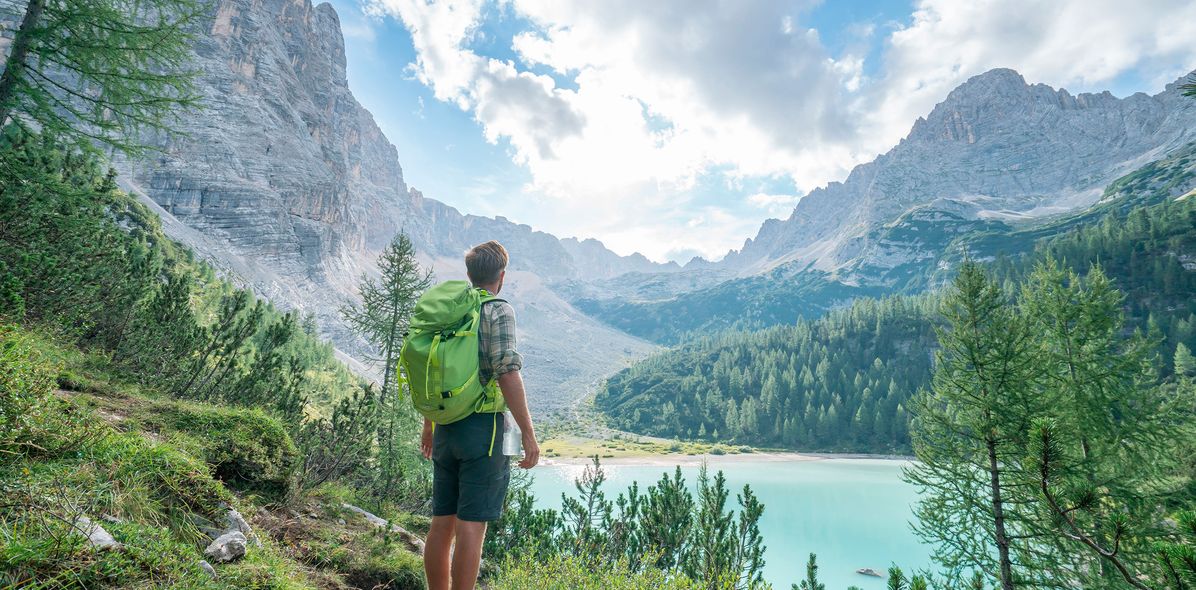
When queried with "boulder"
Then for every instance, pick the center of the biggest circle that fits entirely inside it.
(207, 568)
(237, 523)
(410, 539)
(227, 547)
(97, 537)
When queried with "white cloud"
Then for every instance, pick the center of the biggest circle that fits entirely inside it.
(667, 91)
(1080, 44)
(775, 205)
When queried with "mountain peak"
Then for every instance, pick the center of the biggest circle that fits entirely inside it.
(995, 141)
(994, 78)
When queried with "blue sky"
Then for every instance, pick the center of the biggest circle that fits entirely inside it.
(674, 128)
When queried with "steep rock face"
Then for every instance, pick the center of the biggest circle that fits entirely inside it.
(998, 147)
(285, 183)
(281, 165)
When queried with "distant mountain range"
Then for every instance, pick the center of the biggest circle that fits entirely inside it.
(286, 183)
(998, 155)
(995, 149)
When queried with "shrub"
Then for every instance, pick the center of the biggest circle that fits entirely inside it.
(32, 420)
(573, 573)
(246, 449)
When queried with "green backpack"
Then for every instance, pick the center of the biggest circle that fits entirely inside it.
(439, 358)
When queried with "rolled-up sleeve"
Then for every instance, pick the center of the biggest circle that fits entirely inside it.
(497, 342)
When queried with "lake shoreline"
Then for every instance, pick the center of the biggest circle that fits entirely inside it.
(669, 460)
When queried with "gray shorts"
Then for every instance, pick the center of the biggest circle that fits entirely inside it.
(469, 480)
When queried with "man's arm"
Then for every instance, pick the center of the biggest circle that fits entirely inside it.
(511, 384)
(425, 440)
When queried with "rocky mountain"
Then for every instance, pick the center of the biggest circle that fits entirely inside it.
(285, 183)
(996, 165)
(996, 148)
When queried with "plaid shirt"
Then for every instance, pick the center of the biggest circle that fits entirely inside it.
(496, 341)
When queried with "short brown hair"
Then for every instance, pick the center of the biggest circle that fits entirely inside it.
(484, 262)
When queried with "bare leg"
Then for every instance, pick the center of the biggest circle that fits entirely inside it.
(438, 551)
(467, 557)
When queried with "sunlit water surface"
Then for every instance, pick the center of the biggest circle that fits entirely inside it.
(853, 513)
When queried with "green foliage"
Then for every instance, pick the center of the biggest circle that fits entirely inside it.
(381, 319)
(1103, 451)
(1184, 362)
(866, 361)
(971, 429)
(1178, 556)
(341, 445)
(26, 406)
(127, 322)
(1046, 447)
(245, 448)
(841, 382)
(99, 70)
(91, 264)
(666, 530)
(811, 582)
(563, 572)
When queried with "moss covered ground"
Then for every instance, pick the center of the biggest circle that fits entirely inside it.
(152, 471)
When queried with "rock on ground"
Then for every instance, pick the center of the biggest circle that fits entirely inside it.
(97, 537)
(413, 542)
(227, 547)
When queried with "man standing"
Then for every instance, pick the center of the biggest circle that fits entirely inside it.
(470, 479)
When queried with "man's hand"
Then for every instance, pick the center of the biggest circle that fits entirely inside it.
(511, 384)
(531, 451)
(425, 440)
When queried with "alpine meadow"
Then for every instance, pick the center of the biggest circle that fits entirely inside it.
(803, 295)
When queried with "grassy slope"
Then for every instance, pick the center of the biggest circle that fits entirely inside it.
(159, 466)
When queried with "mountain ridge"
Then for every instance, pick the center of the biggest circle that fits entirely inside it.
(286, 183)
(975, 152)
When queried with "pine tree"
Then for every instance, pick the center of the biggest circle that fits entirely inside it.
(587, 518)
(382, 318)
(748, 564)
(971, 430)
(811, 582)
(1185, 363)
(708, 556)
(1107, 440)
(99, 70)
(667, 519)
(1178, 555)
(896, 579)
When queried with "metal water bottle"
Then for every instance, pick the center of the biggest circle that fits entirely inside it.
(512, 437)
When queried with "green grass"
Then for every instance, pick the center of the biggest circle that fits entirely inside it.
(570, 573)
(82, 442)
(581, 447)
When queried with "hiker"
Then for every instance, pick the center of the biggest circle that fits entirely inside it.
(462, 368)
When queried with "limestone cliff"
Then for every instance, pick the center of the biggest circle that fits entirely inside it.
(285, 182)
(995, 148)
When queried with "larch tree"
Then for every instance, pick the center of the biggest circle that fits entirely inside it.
(970, 431)
(99, 71)
(381, 319)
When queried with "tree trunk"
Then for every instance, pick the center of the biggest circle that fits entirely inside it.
(1006, 568)
(15, 66)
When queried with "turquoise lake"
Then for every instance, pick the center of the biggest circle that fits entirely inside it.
(853, 513)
